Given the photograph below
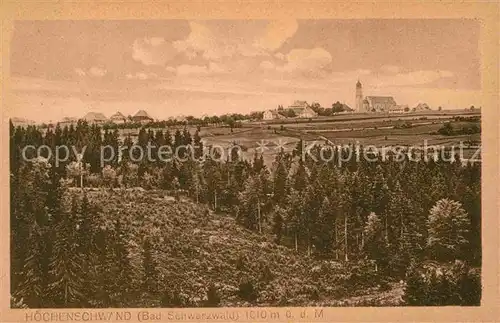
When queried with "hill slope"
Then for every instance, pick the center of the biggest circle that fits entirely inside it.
(195, 248)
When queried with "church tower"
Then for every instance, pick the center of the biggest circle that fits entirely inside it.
(359, 97)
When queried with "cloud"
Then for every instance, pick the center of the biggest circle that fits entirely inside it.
(390, 69)
(97, 71)
(280, 56)
(170, 69)
(141, 76)
(80, 72)
(232, 47)
(211, 68)
(93, 71)
(153, 51)
(202, 41)
(277, 32)
(191, 69)
(216, 68)
(307, 60)
(413, 78)
(267, 65)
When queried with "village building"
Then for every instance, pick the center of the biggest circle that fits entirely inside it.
(142, 117)
(118, 118)
(272, 114)
(374, 103)
(95, 118)
(67, 121)
(302, 109)
(379, 104)
(400, 109)
(421, 107)
(22, 122)
(342, 108)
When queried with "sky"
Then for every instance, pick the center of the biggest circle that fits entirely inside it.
(206, 67)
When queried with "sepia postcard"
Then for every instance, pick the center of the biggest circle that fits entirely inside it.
(231, 161)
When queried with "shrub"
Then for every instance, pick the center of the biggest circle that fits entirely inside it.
(172, 298)
(247, 290)
(442, 285)
(241, 263)
(266, 274)
(213, 298)
(94, 180)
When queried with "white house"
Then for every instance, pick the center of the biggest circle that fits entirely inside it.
(272, 114)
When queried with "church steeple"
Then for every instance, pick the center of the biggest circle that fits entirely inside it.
(359, 97)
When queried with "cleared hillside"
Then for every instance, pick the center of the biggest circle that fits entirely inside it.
(195, 248)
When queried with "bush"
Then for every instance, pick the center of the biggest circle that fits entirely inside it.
(241, 263)
(172, 298)
(247, 291)
(213, 298)
(441, 285)
(266, 274)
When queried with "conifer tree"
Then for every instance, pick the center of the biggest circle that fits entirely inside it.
(374, 246)
(66, 288)
(150, 280)
(280, 183)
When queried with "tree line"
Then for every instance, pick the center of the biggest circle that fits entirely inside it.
(394, 214)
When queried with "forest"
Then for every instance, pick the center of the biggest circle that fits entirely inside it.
(90, 235)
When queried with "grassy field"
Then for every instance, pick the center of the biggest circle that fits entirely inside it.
(408, 130)
(352, 117)
(268, 137)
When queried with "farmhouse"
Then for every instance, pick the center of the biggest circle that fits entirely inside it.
(302, 109)
(67, 121)
(400, 109)
(118, 118)
(421, 107)
(338, 107)
(142, 117)
(272, 114)
(95, 118)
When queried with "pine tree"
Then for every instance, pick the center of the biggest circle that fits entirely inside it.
(249, 213)
(197, 145)
(279, 215)
(31, 288)
(295, 216)
(151, 275)
(374, 246)
(325, 227)
(280, 183)
(67, 284)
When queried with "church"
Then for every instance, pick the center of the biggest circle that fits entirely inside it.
(373, 103)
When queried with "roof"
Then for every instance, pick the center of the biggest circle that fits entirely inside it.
(358, 84)
(422, 106)
(117, 115)
(381, 100)
(298, 104)
(94, 116)
(69, 119)
(275, 114)
(299, 110)
(142, 114)
(346, 107)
